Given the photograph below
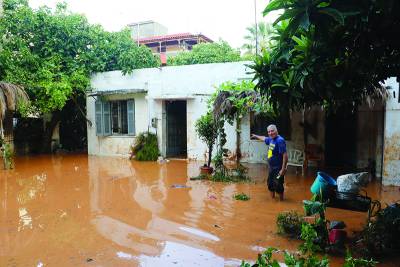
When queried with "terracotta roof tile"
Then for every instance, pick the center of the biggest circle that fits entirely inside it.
(169, 37)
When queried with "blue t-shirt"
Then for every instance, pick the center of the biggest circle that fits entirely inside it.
(276, 149)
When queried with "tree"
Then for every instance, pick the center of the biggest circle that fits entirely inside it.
(53, 53)
(207, 130)
(206, 53)
(11, 98)
(232, 101)
(263, 34)
(330, 53)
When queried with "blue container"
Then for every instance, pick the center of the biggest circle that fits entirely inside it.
(323, 185)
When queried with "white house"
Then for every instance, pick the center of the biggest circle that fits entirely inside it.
(168, 100)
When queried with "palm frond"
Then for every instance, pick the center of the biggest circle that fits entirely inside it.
(10, 96)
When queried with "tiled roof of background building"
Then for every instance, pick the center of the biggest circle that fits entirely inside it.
(170, 37)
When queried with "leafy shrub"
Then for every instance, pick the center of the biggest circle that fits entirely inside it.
(381, 235)
(207, 130)
(353, 262)
(266, 260)
(146, 147)
(241, 196)
(289, 223)
(206, 53)
(7, 155)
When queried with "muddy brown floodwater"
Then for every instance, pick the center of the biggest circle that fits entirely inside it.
(78, 210)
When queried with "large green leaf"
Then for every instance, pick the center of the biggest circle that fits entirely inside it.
(334, 13)
(288, 14)
(275, 5)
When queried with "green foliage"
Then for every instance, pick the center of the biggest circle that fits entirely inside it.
(146, 147)
(310, 236)
(207, 130)
(230, 103)
(7, 155)
(264, 259)
(291, 260)
(232, 100)
(263, 33)
(314, 207)
(319, 240)
(241, 196)
(217, 52)
(199, 177)
(329, 53)
(381, 235)
(306, 261)
(222, 174)
(53, 53)
(354, 262)
(289, 223)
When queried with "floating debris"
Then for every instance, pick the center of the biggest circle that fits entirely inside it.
(179, 186)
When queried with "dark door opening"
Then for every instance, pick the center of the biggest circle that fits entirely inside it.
(341, 139)
(176, 129)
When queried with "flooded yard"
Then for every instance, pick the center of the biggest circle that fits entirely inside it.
(78, 210)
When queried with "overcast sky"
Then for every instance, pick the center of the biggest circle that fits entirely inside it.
(226, 19)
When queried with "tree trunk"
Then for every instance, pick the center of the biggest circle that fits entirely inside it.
(7, 140)
(209, 156)
(48, 131)
(238, 131)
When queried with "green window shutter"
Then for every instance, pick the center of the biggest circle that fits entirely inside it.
(98, 117)
(106, 118)
(131, 116)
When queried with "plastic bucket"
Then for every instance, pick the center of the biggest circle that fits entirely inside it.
(323, 185)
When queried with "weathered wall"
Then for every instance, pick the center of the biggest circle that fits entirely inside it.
(115, 145)
(391, 152)
(370, 136)
(254, 151)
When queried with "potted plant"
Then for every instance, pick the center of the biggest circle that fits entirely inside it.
(208, 133)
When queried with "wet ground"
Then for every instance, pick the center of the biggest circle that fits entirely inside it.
(77, 210)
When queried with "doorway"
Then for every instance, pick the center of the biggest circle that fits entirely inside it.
(176, 129)
(341, 139)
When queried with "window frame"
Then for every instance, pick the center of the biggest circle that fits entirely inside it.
(104, 117)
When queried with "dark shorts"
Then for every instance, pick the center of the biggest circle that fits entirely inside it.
(275, 185)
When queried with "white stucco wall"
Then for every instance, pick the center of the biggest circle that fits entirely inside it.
(391, 152)
(115, 145)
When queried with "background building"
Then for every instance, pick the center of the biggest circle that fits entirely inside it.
(156, 37)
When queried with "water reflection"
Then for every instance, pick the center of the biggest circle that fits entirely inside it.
(30, 188)
(72, 210)
(25, 220)
(131, 211)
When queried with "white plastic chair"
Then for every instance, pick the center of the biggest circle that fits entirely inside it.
(296, 158)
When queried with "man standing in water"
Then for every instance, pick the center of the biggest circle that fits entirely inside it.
(277, 160)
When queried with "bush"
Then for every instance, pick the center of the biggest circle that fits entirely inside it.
(381, 236)
(289, 223)
(208, 132)
(242, 197)
(146, 147)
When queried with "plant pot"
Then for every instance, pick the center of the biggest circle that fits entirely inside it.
(323, 186)
(337, 236)
(206, 170)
